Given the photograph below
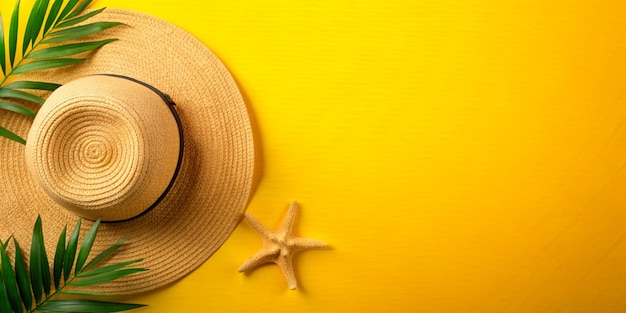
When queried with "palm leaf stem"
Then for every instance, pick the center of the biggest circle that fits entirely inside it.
(52, 294)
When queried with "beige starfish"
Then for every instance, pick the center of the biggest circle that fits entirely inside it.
(279, 246)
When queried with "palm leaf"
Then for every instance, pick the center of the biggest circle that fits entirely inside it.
(39, 19)
(55, 24)
(107, 269)
(105, 277)
(35, 20)
(17, 94)
(59, 255)
(13, 32)
(79, 9)
(45, 269)
(85, 247)
(9, 106)
(69, 16)
(104, 254)
(3, 55)
(11, 135)
(70, 252)
(45, 64)
(79, 31)
(69, 49)
(52, 15)
(79, 19)
(36, 266)
(5, 306)
(10, 282)
(22, 277)
(67, 9)
(28, 32)
(86, 306)
(32, 85)
(83, 293)
(17, 292)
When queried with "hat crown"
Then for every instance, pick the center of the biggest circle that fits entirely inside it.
(104, 147)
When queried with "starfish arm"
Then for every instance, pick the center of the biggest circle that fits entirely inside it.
(260, 258)
(299, 244)
(287, 268)
(287, 225)
(257, 226)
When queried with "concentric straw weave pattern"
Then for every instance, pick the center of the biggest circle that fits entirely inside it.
(104, 147)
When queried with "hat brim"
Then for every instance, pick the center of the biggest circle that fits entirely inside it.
(210, 194)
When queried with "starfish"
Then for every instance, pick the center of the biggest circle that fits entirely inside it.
(279, 246)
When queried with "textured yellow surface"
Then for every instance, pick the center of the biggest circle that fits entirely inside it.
(458, 156)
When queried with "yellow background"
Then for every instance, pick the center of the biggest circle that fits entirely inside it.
(458, 156)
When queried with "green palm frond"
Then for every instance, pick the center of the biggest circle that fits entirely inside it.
(44, 46)
(36, 290)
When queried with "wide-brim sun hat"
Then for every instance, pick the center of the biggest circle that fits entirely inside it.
(107, 144)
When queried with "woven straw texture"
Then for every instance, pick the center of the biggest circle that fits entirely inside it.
(209, 196)
(104, 147)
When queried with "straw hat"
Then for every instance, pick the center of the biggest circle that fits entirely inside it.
(111, 146)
